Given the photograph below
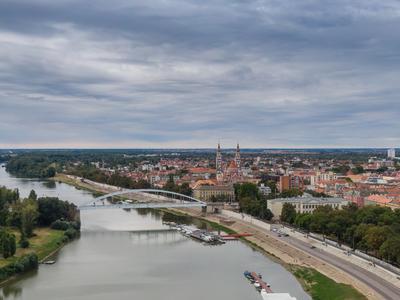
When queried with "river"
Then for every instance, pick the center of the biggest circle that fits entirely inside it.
(131, 255)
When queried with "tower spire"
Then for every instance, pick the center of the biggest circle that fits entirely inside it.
(237, 158)
(218, 163)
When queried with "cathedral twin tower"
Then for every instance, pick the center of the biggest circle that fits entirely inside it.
(230, 172)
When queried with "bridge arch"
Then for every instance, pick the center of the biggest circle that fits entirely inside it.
(178, 200)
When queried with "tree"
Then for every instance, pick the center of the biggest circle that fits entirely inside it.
(51, 209)
(375, 237)
(7, 243)
(32, 195)
(288, 213)
(29, 215)
(290, 193)
(390, 249)
(247, 190)
(358, 170)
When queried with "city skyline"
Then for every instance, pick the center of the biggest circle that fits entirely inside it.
(183, 74)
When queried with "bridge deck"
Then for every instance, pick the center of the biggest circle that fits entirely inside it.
(141, 205)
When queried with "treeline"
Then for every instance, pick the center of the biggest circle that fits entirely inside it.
(94, 174)
(33, 166)
(372, 229)
(251, 202)
(27, 214)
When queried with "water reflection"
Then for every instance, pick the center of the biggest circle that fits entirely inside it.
(49, 184)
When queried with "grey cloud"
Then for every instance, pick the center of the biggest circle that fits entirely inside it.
(186, 73)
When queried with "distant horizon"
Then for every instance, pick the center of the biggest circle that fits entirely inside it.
(209, 148)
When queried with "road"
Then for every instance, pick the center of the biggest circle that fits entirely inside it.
(386, 289)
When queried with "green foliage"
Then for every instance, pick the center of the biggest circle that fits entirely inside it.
(288, 213)
(92, 173)
(373, 229)
(7, 198)
(64, 225)
(7, 243)
(24, 242)
(290, 193)
(29, 215)
(247, 190)
(52, 209)
(71, 233)
(35, 166)
(32, 195)
(342, 169)
(23, 264)
(321, 287)
(184, 188)
(250, 201)
(358, 170)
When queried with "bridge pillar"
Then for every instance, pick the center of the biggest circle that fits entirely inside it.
(204, 209)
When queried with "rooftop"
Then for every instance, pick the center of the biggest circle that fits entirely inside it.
(310, 200)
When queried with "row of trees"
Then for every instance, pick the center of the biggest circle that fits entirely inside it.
(373, 229)
(33, 166)
(26, 214)
(92, 173)
(251, 201)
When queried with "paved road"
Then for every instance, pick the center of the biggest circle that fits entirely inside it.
(386, 289)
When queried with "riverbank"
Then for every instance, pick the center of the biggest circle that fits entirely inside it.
(319, 279)
(45, 243)
(292, 258)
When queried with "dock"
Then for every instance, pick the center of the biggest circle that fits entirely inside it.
(265, 289)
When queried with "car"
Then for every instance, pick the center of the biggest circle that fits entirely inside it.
(312, 247)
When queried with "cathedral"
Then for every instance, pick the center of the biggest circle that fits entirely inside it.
(231, 171)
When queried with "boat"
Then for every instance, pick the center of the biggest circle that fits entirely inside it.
(49, 262)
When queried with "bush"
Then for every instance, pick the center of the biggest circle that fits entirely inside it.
(64, 225)
(24, 243)
(60, 225)
(23, 264)
(71, 233)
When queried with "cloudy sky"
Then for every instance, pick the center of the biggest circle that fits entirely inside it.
(172, 73)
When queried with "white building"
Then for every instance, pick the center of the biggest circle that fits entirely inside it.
(264, 190)
(392, 153)
(304, 204)
(322, 176)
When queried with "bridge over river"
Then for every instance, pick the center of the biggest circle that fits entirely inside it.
(144, 198)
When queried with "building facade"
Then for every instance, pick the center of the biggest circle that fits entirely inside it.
(231, 171)
(213, 193)
(287, 182)
(304, 204)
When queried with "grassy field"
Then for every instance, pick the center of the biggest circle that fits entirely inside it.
(321, 287)
(45, 242)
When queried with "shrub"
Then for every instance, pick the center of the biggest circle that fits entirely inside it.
(71, 233)
(60, 225)
(23, 264)
(24, 243)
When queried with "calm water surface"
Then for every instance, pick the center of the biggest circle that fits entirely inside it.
(132, 255)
